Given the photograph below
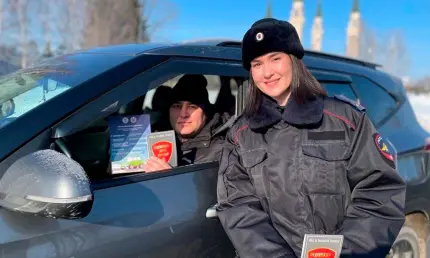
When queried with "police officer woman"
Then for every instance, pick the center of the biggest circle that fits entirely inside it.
(298, 162)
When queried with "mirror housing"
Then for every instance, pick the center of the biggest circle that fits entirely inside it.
(47, 183)
(7, 108)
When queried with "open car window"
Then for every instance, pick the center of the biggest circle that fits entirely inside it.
(93, 145)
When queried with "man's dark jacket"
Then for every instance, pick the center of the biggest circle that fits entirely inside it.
(206, 146)
(316, 168)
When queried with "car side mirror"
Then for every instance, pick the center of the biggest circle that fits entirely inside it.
(7, 108)
(46, 183)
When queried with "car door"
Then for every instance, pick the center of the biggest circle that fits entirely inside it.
(140, 215)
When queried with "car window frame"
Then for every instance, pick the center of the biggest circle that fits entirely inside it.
(343, 84)
(110, 102)
(396, 101)
(328, 76)
(425, 159)
(74, 123)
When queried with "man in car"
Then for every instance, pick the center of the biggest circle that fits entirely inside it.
(199, 129)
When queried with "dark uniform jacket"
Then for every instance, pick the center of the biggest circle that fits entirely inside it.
(206, 146)
(317, 168)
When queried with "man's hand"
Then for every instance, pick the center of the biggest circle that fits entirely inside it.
(155, 164)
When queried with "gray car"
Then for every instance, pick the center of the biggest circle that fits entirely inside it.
(58, 195)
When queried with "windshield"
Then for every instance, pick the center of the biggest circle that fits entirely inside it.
(28, 88)
(23, 90)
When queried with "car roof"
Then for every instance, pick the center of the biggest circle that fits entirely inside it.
(218, 48)
(224, 48)
(230, 50)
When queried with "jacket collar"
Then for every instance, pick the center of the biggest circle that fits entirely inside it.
(294, 113)
(204, 137)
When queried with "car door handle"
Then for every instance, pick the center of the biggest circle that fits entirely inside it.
(211, 212)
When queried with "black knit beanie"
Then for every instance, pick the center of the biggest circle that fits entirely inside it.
(270, 35)
(192, 88)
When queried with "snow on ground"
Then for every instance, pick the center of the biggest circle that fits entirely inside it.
(421, 106)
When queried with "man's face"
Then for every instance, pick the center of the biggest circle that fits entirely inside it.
(186, 118)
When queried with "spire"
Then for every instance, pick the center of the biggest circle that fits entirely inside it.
(355, 7)
(269, 9)
(319, 9)
(297, 17)
(317, 29)
(48, 51)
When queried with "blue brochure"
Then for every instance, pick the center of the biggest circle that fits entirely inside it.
(128, 142)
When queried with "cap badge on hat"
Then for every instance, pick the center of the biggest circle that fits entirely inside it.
(259, 36)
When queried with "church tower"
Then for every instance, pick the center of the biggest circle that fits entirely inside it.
(353, 32)
(269, 10)
(297, 17)
(317, 29)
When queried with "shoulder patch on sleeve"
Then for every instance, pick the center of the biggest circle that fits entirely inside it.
(383, 149)
(350, 101)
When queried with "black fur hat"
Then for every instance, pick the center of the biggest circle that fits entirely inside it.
(269, 35)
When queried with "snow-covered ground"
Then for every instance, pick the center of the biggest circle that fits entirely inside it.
(421, 106)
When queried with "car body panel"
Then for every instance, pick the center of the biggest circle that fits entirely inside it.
(404, 130)
(210, 52)
(130, 50)
(160, 217)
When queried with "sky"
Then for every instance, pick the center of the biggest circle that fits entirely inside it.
(196, 19)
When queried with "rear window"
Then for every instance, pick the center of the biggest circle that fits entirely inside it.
(344, 89)
(376, 100)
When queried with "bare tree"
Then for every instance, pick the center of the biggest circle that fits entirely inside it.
(396, 58)
(368, 44)
(21, 6)
(70, 15)
(390, 50)
(46, 21)
(111, 22)
(45, 18)
(421, 86)
(1, 17)
(20, 9)
(157, 14)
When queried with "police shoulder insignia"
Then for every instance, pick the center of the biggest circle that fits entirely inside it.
(350, 101)
(383, 149)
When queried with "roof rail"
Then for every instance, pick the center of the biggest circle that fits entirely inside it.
(230, 44)
(233, 43)
(341, 58)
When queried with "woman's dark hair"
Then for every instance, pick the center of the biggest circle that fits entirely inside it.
(303, 86)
